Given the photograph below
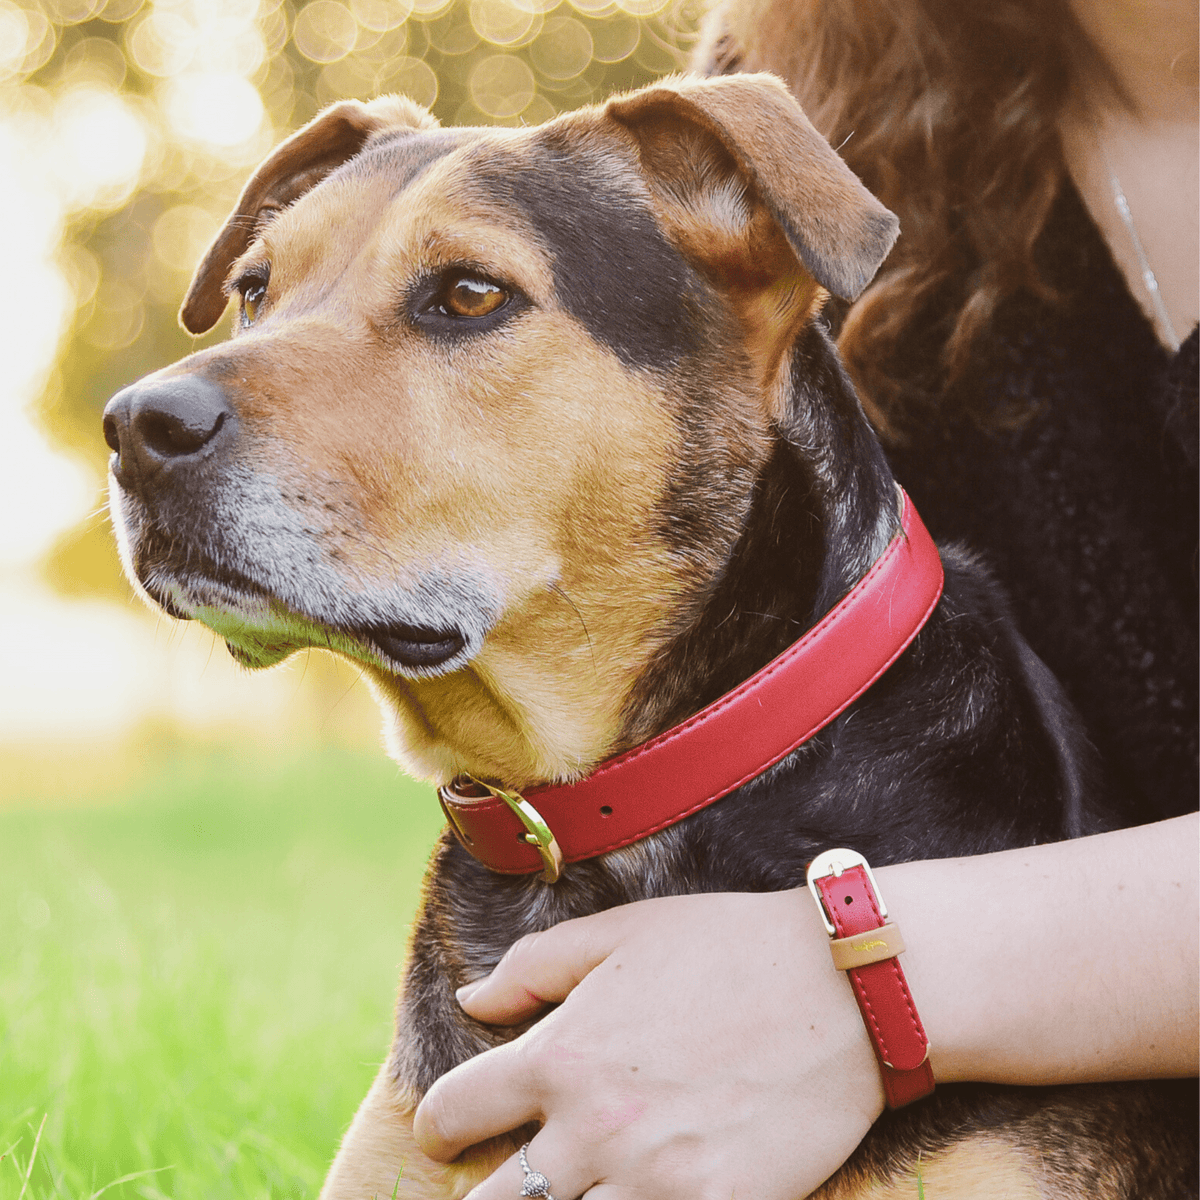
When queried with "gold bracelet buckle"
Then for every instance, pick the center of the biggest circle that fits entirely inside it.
(834, 862)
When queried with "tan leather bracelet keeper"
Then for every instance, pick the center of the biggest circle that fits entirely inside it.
(861, 949)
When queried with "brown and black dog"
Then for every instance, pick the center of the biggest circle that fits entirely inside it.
(541, 427)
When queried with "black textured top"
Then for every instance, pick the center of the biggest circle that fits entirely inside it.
(1087, 511)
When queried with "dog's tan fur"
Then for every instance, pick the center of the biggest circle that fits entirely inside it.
(982, 1168)
(379, 1148)
(552, 486)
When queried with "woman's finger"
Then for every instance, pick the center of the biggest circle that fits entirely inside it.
(566, 1177)
(486, 1096)
(505, 1087)
(543, 968)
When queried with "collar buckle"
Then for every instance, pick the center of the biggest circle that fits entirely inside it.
(537, 833)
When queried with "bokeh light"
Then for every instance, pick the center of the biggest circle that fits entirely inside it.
(101, 143)
(325, 31)
(563, 49)
(616, 39)
(161, 44)
(503, 23)
(502, 86)
(223, 110)
(27, 40)
(380, 15)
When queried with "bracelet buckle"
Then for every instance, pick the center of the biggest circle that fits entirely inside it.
(834, 862)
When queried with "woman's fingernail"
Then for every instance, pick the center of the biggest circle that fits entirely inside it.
(468, 990)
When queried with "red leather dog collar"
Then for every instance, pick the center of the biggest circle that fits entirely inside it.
(724, 745)
(850, 905)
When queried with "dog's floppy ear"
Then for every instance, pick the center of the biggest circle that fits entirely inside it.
(328, 140)
(713, 150)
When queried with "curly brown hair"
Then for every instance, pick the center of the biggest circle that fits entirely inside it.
(948, 112)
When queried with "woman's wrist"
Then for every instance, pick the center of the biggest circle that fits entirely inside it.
(1033, 966)
(832, 1011)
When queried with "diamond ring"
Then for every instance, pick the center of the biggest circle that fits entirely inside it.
(536, 1184)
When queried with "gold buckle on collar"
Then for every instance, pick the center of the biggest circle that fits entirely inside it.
(537, 833)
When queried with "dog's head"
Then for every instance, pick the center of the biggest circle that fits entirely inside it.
(494, 403)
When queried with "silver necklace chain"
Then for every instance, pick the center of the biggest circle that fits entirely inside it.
(1148, 278)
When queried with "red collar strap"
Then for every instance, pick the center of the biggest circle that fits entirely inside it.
(724, 745)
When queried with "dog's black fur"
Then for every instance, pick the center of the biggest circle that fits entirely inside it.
(965, 746)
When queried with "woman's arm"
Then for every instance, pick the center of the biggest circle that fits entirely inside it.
(697, 1034)
(1070, 962)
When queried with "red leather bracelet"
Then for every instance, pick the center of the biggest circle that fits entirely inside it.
(865, 947)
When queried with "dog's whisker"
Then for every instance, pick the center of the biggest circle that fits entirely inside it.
(355, 682)
(554, 587)
(304, 669)
(212, 649)
(771, 616)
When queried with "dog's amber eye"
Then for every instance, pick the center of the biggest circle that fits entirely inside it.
(252, 297)
(470, 296)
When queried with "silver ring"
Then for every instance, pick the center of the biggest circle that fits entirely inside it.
(536, 1184)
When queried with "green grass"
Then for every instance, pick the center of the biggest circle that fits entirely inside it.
(196, 982)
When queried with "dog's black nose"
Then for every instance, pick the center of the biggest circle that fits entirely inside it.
(161, 424)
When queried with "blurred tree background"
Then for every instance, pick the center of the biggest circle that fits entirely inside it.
(129, 125)
(204, 878)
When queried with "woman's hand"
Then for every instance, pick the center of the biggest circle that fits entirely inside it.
(704, 1046)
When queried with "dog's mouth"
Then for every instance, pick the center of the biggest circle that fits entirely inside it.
(413, 645)
(403, 647)
(261, 629)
